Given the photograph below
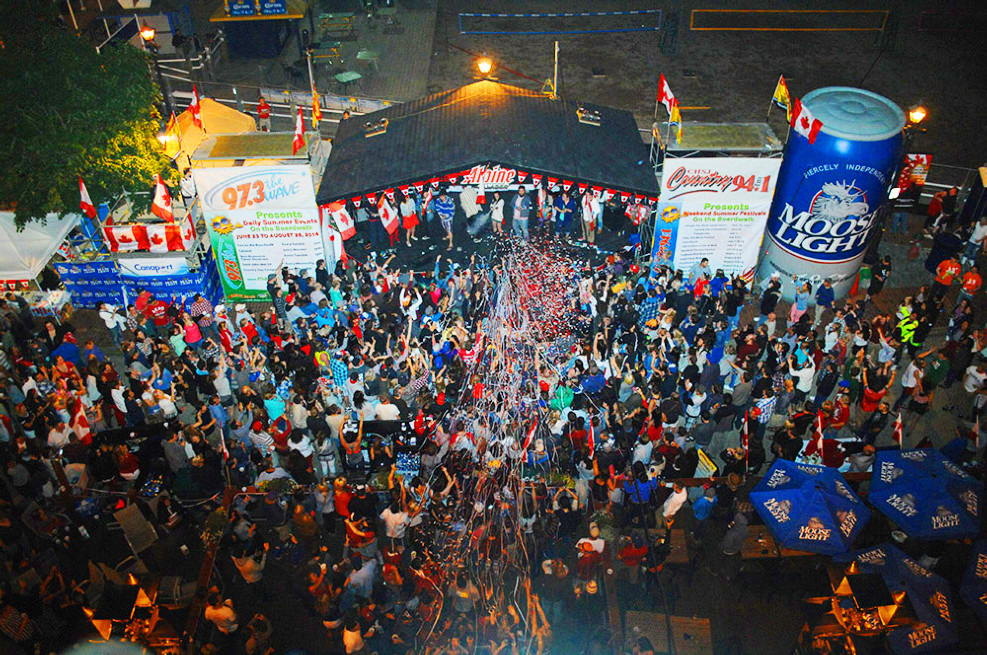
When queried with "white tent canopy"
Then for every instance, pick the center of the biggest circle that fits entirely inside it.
(24, 254)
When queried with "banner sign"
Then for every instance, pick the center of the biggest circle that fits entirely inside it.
(146, 267)
(240, 7)
(91, 283)
(914, 172)
(715, 208)
(493, 178)
(259, 218)
(152, 237)
(273, 7)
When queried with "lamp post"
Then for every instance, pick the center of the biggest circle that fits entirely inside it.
(914, 117)
(484, 65)
(147, 34)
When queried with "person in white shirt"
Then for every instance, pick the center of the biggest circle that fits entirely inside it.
(497, 213)
(395, 521)
(58, 437)
(386, 410)
(674, 502)
(642, 450)
(222, 614)
(114, 322)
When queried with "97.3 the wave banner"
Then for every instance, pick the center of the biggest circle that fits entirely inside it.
(259, 219)
(716, 208)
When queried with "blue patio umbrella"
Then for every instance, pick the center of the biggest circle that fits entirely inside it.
(973, 588)
(928, 595)
(809, 508)
(926, 494)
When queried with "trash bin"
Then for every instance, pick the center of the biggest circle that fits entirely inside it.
(944, 246)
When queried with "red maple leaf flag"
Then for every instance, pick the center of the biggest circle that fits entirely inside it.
(819, 433)
(388, 215)
(299, 141)
(745, 431)
(530, 435)
(898, 434)
(85, 202)
(665, 95)
(804, 122)
(195, 108)
(79, 423)
(161, 207)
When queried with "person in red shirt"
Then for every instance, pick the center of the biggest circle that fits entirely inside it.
(946, 272)
(157, 311)
(969, 285)
(263, 115)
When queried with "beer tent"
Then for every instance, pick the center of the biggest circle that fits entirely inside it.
(443, 136)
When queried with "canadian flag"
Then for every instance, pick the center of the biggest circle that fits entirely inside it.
(582, 187)
(898, 434)
(169, 237)
(195, 108)
(745, 433)
(427, 200)
(404, 189)
(80, 424)
(624, 196)
(161, 207)
(334, 247)
(566, 184)
(552, 181)
(536, 178)
(521, 176)
(434, 182)
(819, 433)
(372, 197)
(419, 186)
(85, 202)
(299, 141)
(804, 122)
(390, 195)
(388, 217)
(344, 222)
(665, 95)
(531, 434)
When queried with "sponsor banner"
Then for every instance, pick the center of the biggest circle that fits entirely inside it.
(714, 207)
(493, 177)
(914, 172)
(146, 267)
(90, 283)
(259, 218)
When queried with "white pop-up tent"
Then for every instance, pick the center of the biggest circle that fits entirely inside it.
(24, 254)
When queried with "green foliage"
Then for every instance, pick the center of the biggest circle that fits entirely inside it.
(71, 111)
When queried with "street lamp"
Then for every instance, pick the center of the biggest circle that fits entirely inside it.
(147, 33)
(484, 64)
(916, 114)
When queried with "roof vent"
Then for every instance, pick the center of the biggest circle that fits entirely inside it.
(373, 128)
(588, 116)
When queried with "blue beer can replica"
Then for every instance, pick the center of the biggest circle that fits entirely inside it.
(830, 193)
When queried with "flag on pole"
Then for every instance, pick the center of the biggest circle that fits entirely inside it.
(195, 108)
(804, 122)
(161, 207)
(745, 434)
(531, 434)
(173, 137)
(388, 216)
(819, 434)
(782, 98)
(316, 109)
(898, 434)
(665, 95)
(85, 202)
(675, 122)
(299, 141)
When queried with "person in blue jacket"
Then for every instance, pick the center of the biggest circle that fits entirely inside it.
(825, 296)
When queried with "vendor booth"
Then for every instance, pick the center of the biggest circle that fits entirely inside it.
(25, 253)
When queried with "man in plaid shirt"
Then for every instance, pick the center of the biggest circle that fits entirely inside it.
(201, 310)
(339, 370)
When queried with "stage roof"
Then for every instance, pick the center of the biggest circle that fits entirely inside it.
(487, 123)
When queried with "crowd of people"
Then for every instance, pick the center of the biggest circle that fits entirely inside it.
(442, 466)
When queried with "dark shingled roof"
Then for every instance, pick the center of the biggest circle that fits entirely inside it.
(487, 123)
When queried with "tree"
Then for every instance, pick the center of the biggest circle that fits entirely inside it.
(72, 111)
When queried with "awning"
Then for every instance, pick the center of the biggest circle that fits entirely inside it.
(24, 254)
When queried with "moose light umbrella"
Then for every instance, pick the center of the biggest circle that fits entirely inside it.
(973, 588)
(926, 494)
(809, 508)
